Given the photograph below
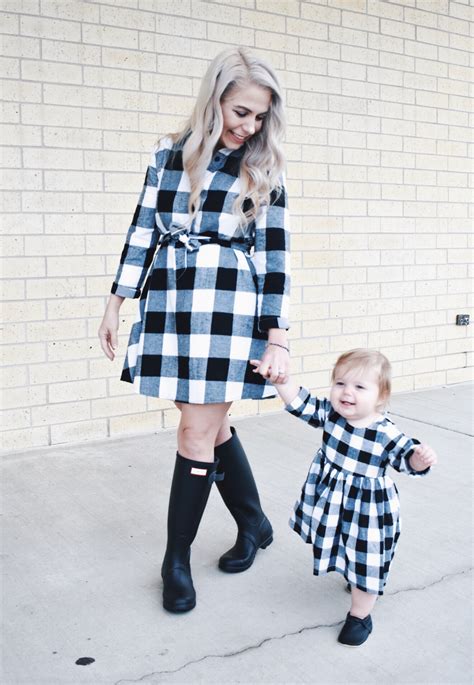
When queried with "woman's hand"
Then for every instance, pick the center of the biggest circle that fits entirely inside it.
(108, 329)
(275, 364)
(423, 456)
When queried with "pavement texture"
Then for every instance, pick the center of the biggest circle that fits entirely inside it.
(85, 533)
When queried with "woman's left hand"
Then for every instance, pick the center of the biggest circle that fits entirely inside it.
(275, 364)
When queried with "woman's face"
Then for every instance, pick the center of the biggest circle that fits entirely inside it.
(243, 111)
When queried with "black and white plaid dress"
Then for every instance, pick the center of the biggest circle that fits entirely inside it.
(349, 508)
(208, 293)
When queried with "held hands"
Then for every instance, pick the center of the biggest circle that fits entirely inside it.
(274, 364)
(423, 456)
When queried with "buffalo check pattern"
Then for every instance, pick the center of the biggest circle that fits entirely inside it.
(208, 293)
(349, 508)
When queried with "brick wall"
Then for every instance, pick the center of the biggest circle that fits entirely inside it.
(377, 148)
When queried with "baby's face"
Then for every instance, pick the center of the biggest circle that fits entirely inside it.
(355, 395)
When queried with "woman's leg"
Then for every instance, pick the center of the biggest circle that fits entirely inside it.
(198, 429)
(194, 473)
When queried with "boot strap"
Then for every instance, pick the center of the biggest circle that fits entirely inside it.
(216, 477)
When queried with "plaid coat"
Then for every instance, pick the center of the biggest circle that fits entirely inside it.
(349, 508)
(208, 293)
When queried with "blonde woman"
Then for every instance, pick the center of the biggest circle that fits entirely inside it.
(207, 254)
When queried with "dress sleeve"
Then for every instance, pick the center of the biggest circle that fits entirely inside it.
(272, 262)
(400, 448)
(142, 236)
(309, 409)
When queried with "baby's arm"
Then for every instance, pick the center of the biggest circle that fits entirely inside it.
(422, 458)
(298, 401)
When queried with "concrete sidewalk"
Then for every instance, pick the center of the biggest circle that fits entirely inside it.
(85, 532)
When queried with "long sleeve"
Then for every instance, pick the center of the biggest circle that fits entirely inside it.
(400, 448)
(142, 236)
(309, 409)
(272, 262)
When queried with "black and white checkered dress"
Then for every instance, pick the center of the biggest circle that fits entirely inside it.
(208, 294)
(349, 508)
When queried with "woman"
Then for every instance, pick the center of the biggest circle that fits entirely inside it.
(216, 296)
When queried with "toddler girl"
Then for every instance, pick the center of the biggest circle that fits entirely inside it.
(349, 508)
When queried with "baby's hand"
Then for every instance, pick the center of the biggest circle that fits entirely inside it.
(423, 456)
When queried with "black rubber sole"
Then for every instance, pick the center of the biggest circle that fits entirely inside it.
(179, 608)
(240, 569)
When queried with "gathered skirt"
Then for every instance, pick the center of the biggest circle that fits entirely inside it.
(352, 521)
(197, 328)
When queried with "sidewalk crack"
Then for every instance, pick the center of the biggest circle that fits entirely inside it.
(237, 652)
(249, 648)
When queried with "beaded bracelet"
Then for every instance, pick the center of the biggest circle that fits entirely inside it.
(278, 345)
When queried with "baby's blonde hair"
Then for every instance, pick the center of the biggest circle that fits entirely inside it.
(361, 358)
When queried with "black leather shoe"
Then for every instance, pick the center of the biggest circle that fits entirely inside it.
(355, 631)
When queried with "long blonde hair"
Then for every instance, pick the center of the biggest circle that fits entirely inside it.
(262, 162)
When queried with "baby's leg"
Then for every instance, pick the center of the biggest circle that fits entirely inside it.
(362, 603)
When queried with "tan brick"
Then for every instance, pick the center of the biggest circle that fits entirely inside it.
(49, 158)
(76, 53)
(136, 423)
(348, 276)
(16, 46)
(11, 157)
(66, 412)
(62, 350)
(53, 245)
(427, 380)
(56, 136)
(23, 311)
(10, 22)
(36, 70)
(171, 418)
(111, 78)
(79, 432)
(12, 245)
(363, 324)
(77, 390)
(24, 397)
(16, 419)
(75, 266)
(25, 438)
(463, 375)
(17, 134)
(73, 180)
(55, 330)
(12, 290)
(274, 41)
(52, 373)
(17, 354)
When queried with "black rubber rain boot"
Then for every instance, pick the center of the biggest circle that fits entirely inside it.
(240, 495)
(190, 488)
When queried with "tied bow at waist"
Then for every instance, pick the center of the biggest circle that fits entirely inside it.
(179, 236)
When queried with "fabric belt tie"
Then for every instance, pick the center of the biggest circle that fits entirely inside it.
(180, 237)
